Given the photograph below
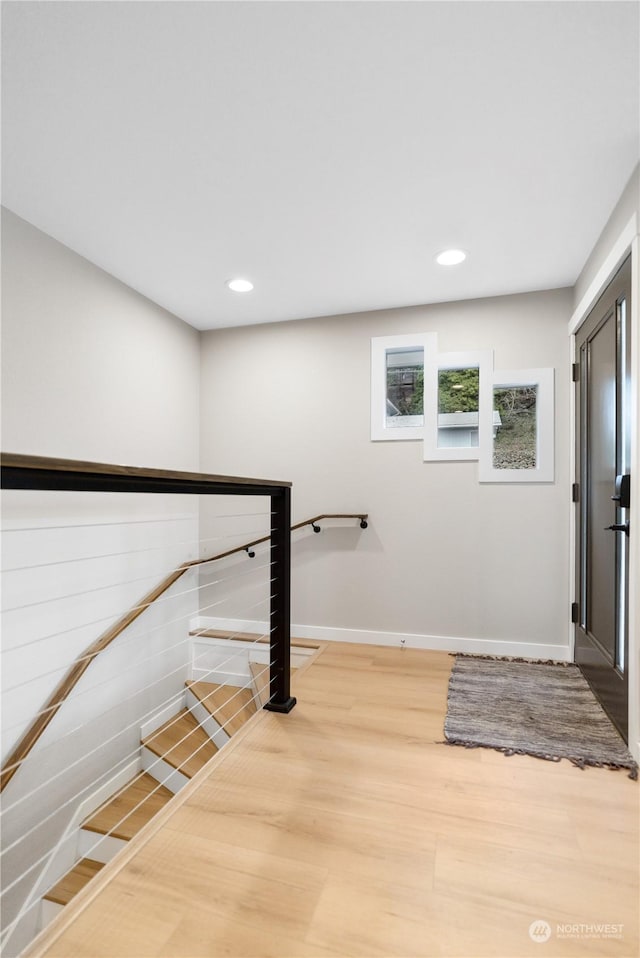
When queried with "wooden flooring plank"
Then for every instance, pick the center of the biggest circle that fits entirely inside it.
(536, 879)
(199, 940)
(338, 842)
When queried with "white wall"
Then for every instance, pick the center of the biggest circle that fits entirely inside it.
(620, 235)
(625, 208)
(444, 556)
(91, 370)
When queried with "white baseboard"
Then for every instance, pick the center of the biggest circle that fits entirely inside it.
(409, 640)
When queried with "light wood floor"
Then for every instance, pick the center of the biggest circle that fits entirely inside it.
(344, 829)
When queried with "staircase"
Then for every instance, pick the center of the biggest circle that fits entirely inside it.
(170, 756)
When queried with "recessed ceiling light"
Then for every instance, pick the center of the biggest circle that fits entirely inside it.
(451, 257)
(240, 285)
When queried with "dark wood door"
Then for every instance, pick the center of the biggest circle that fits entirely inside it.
(602, 467)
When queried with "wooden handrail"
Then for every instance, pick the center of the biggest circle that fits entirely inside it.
(77, 670)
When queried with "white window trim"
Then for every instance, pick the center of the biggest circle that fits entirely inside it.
(380, 345)
(544, 469)
(482, 359)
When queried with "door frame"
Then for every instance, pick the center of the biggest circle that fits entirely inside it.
(605, 328)
(627, 242)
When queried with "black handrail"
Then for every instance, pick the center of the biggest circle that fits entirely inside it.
(248, 547)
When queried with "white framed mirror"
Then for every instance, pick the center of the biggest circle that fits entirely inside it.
(397, 384)
(517, 412)
(454, 385)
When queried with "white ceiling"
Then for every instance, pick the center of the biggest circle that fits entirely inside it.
(325, 150)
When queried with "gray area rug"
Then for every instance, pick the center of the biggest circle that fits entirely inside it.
(527, 707)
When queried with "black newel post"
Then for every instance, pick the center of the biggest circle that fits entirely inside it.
(280, 699)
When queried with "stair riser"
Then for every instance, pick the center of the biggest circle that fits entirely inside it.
(162, 716)
(217, 735)
(100, 848)
(260, 684)
(163, 772)
(222, 677)
(48, 911)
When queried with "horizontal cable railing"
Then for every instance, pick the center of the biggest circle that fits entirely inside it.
(214, 645)
(39, 473)
(83, 661)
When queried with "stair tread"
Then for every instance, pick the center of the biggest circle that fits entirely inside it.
(74, 881)
(182, 743)
(230, 705)
(123, 815)
(252, 637)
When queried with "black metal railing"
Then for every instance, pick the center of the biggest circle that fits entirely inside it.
(39, 473)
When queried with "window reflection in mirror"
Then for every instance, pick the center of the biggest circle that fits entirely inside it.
(458, 407)
(405, 387)
(515, 427)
